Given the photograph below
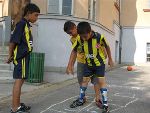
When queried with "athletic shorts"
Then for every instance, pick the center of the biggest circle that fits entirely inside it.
(80, 74)
(21, 69)
(98, 71)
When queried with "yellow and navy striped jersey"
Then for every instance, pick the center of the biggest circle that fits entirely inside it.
(23, 39)
(80, 53)
(93, 49)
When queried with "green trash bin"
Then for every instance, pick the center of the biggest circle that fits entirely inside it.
(36, 67)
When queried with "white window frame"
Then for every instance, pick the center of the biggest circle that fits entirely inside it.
(91, 10)
(61, 5)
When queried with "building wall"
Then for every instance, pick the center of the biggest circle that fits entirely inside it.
(81, 9)
(132, 13)
(5, 22)
(42, 4)
(4, 8)
(1, 9)
(17, 9)
(108, 13)
(134, 44)
(136, 28)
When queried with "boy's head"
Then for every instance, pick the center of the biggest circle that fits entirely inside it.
(70, 28)
(84, 30)
(31, 11)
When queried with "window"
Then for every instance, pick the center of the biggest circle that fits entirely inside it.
(60, 7)
(66, 7)
(92, 10)
(53, 6)
(148, 52)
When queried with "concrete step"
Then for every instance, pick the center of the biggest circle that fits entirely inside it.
(6, 73)
(6, 76)
(6, 80)
(4, 66)
(3, 57)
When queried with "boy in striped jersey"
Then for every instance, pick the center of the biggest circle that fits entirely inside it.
(91, 43)
(71, 29)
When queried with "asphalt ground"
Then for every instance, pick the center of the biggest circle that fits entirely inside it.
(129, 92)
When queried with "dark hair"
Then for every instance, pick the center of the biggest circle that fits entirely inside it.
(83, 28)
(31, 8)
(68, 25)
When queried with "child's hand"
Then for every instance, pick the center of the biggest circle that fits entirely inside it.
(10, 59)
(70, 70)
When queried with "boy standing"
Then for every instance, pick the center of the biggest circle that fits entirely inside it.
(20, 48)
(71, 29)
(91, 43)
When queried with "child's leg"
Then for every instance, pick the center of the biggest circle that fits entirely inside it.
(16, 94)
(80, 70)
(100, 73)
(95, 82)
(84, 87)
(80, 101)
(103, 90)
(20, 74)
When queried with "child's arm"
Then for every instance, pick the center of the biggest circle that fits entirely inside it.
(11, 49)
(15, 39)
(110, 61)
(72, 59)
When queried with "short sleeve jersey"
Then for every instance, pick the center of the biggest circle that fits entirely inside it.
(23, 39)
(92, 49)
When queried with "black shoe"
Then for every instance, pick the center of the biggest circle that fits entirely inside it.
(20, 110)
(26, 108)
(105, 109)
(77, 103)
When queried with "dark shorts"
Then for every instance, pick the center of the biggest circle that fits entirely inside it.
(98, 71)
(21, 69)
(80, 74)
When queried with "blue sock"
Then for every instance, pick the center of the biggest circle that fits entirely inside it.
(104, 96)
(82, 92)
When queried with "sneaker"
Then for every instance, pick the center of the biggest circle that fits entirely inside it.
(26, 108)
(105, 109)
(77, 103)
(99, 104)
(20, 110)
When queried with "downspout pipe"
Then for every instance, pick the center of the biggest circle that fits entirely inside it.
(120, 37)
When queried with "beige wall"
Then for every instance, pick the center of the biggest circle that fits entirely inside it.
(143, 18)
(132, 13)
(42, 4)
(17, 9)
(128, 12)
(107, 13)
(0, 9)
(81, 8)
(4, 8)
